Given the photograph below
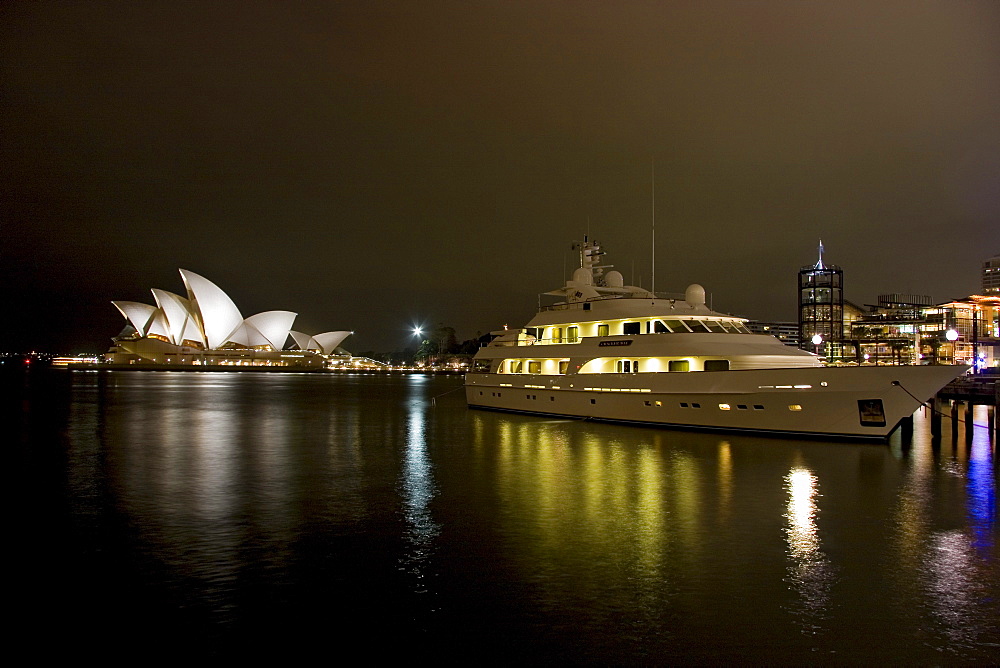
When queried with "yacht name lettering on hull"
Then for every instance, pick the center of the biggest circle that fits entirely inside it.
(605, 344)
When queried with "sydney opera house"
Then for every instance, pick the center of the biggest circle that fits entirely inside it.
(206, 329)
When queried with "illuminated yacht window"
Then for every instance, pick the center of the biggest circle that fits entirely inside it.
(602, 330)
(676, 326)
(725, 407)
(716, 365)
(516, 366)
(557, 334)
(794, 407)
(573, 335)
(679, 365)
(563, 366)
(714, 326)
(698, 326)
(534, 367)
(659, 327)
(658, 403)
(630, 328)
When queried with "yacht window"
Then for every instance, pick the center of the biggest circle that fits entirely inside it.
(659, 327)
(572, 335)
(676, 326)
(697, 326)
(716, 365)
(563, 366)
(743, 328)
(728, 326)
(516, 366)
(534, 367)
(714, 326)
(481, 366)
(623, 366)
(630, 328)
(679, 365)
(557, 335)
(602, 330)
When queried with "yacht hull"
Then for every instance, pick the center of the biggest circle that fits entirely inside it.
(838, 402)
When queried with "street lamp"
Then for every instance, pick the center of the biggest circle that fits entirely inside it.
(817, 340)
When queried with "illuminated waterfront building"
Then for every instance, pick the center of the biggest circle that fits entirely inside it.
(910, 329)
(207, 329)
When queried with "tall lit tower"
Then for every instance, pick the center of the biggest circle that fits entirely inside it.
(991, 276)
(821, 305)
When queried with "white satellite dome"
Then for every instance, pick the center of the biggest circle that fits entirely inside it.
(695, 295)
(614, 279)
(582, 276)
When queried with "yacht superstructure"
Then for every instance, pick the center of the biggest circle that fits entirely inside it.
(617, 352)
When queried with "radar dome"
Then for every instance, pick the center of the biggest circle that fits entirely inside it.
(695, 295)
(614, 279)
(582, 276)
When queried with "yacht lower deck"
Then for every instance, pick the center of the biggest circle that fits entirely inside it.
(865, 403)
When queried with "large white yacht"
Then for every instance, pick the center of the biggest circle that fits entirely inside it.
(610, 351)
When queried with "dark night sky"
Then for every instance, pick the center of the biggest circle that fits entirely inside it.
(370, 165)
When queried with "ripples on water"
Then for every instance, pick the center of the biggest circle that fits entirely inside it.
(285, 515)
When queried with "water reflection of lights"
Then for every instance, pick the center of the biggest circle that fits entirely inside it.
(810, 573)
(981, 490)
(803, 540)
(418, 492)
(952, 587)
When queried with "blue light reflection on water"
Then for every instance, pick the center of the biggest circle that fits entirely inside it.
(248, 511)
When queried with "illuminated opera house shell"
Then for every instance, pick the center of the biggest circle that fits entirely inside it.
(206, 328)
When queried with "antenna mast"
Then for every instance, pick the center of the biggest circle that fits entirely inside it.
(652, 168)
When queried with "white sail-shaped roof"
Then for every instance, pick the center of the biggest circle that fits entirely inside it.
(158, 325)
(177, 311)
(329, 341)
(138, 314)
(192, 333)
(218, 314)
(304, 341)
(273, 326)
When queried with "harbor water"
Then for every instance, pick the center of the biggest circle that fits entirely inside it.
(357, 518)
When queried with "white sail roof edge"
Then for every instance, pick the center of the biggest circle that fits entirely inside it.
(218, 314)
(177, 311)
(273, 326)
(138, 314)
(329, 341)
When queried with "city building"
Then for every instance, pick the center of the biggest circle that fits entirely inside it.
(207, 329)
(910, 329)
(821, 307)
(786, 332)
(991, 276)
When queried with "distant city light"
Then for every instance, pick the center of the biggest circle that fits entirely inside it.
(951, 335)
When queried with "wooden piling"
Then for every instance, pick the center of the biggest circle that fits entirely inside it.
(906, 430)
(936, 417)
(970, 423)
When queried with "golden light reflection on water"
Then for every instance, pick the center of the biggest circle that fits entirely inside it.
(584, 498)
(810, 572)
(725, 479)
